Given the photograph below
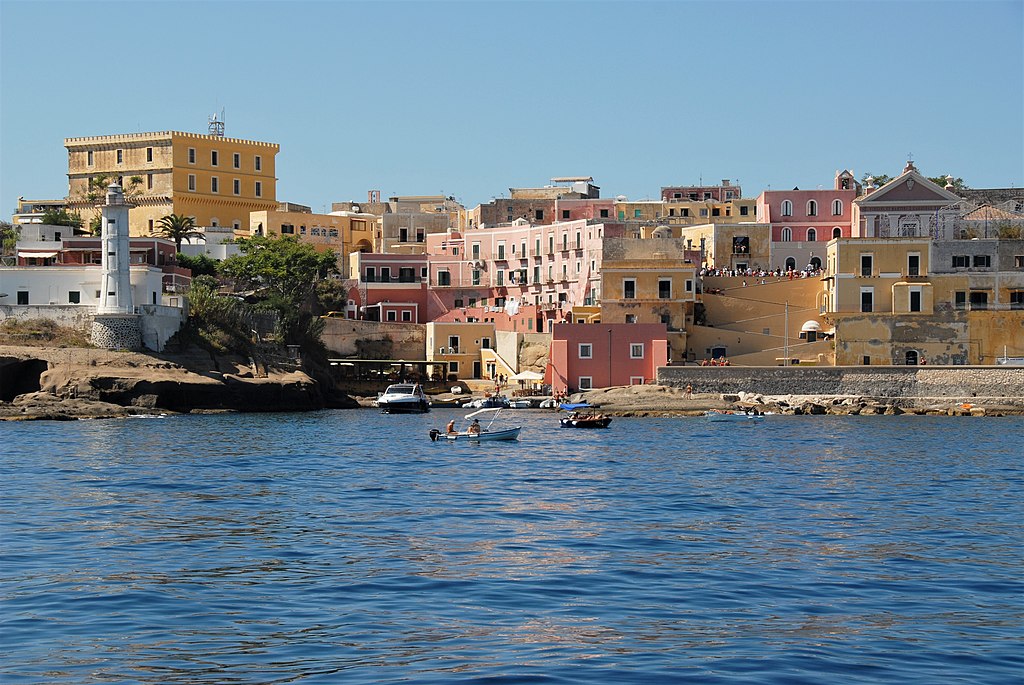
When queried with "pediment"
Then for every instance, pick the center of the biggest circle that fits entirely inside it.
(910, 186)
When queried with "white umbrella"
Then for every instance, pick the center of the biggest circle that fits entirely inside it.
(527, 376)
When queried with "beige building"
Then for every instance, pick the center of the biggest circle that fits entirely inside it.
(737, 246)
(649, 281)
(342, 232)
(216, 180)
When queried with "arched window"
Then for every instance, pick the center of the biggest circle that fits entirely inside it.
(837, 232)
(911, 358)
(787, 234)
(812, 235)
(790, 264)
(837, 207)
(787, 208)
(812, 208)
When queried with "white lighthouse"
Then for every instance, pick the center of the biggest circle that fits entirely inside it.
(116, 292)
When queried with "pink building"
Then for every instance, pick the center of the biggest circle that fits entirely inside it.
(387, 287)
(585, 356)
(803, 221)
(520, 276)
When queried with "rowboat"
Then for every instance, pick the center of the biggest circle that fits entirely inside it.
(577, 419)
(477, 432)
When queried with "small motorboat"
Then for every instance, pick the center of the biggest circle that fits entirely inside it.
(729, 415)
(583, 419)
(475, 431)
(403, 398)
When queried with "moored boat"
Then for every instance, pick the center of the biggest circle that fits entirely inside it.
(727, 415)
(582, 419)
(476, 432)
(403, 398)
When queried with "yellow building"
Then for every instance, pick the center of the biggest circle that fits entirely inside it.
(216, 180)
(462, 345)
(738, 246)
(908, 300)
(649, 281)
(342, 232)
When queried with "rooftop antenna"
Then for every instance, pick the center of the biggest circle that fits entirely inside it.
(217, 124)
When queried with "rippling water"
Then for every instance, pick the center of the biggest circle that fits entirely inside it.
(345, 546)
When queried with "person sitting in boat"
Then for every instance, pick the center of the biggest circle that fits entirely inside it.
(450, 428)
(474, 427)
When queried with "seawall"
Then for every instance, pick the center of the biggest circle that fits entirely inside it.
(1002, 383)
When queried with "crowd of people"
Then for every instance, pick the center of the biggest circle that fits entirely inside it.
(808, 271)
(717, 361)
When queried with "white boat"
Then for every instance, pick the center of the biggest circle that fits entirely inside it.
(720, 415)
(403, 398)
(476, 432)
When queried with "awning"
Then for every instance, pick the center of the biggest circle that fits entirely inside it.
(36, 255)
(527, 376)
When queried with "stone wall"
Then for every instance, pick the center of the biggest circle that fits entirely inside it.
(374, 339)
(868, 381)
(117, 331)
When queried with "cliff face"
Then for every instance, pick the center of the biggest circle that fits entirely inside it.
(181, 383)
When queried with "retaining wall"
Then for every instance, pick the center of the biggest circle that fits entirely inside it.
(869, 381)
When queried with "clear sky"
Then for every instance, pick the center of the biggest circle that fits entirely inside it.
(471, 98)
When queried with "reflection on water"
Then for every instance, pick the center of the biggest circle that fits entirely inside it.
(346, 545)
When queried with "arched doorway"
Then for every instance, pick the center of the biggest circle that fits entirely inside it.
(790, 264)
(815, 262)
(911, 357)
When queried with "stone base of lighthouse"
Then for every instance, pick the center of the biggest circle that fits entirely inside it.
(117, 331)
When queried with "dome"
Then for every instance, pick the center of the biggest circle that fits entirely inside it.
(810, 326)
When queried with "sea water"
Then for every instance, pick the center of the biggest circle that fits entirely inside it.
(345, 546)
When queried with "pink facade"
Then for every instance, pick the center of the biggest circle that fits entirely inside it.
(603, 355)
(809, 215)
(389, 287)
(521, 277)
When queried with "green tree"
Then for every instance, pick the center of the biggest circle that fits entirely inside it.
(62, 217)
(1008, 231)
(9, 234)
(879, 179)
(220, 321)
(177, 227)
(200, 265)
(286, 272)
(941, 181)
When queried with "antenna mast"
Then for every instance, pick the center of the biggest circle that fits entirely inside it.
(217, 124)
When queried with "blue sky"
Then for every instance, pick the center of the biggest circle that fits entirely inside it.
(471, 98)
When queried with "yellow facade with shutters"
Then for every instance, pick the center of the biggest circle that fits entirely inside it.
(216, 180)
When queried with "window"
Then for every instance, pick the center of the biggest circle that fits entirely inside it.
(979, 299)
(501, 249)
(565, 213)
(500, 277)
(406, 315)
(913, 265)
(585, 383)
(704, 212)
(664, 288)
(689, 286)
(787, 234)
(120, 156)
(214, 184)
(636, 350)
(403, 235)
(630, 318)
(213, 158)
(453, 367)
(236, 160)
(191, 155)
(983, 261)
(604, 213)
(867, 299)
(539, 214)
(1018, 261)
(744, 210)
(812, 235)
(258, 162)
(628, 288)
(812, 208)
(579, 241)
(237, 186)
(837, 232)
(22, 297)
(716, 211)
(961, 261)
(75, 297)
(259, 189)
(89, 158)
(915, 299)
(476, 276)
(406, 274)
(149, 154)
(149, 181)
(287, 229)
(385, 274)
(192, 182)
(453, 344)
(1017, 299)
(637, 214)
(391, 315)
(960, 299)
(586, 351)
(371, 274)
(866, 265)
(565, 241)
(787, 208)
(421, 236)
(837, 207)
(444, 278)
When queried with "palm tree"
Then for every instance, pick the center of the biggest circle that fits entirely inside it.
(177, 228)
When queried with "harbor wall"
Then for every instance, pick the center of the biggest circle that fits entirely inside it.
(955, 382)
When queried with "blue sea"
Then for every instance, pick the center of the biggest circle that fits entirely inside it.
(346, 547)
